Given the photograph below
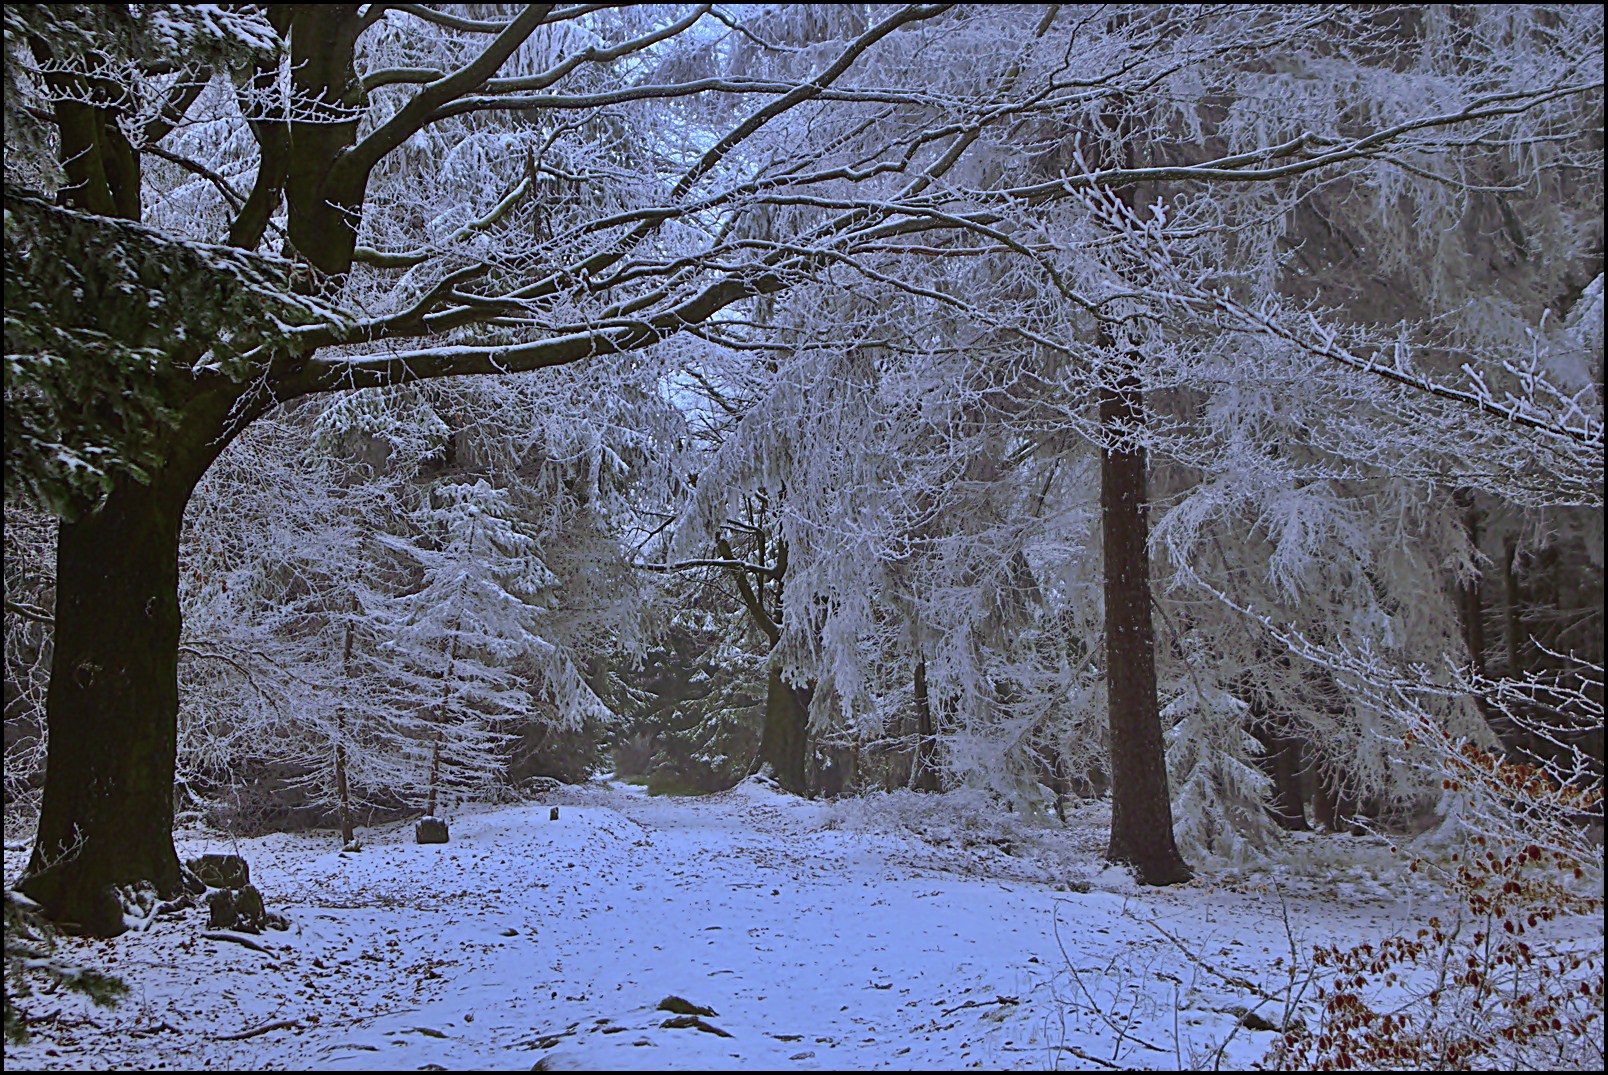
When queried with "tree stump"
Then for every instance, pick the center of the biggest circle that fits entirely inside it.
(220, 871)
(430, 830)
(238, 909)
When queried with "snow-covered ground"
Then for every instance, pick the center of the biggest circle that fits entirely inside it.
(882, 934)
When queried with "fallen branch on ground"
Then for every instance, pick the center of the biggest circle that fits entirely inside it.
(277, 1024)
(1080, 1054)
(256, 946)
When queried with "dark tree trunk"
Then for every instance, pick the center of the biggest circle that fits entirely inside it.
(322, 209)
(1141, 810)
(1141, 803)
(1334, 802)
(1510, 603)
(1347, 807)
(834, 771)
(1281, 760)
(1328, 776)
(106, 819)
(1470, 608)
(784, 738)
(1288, 803)
(924, 773)
(1513, 635)
(444, 713)
(435, 774)
(787, 710)
(1324, 809)
(342, 792)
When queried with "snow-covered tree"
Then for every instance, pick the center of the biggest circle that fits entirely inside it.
(1071, 234)
(302, 117)
(1263, 154)
(305, 645)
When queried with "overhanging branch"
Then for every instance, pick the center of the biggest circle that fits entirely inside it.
(687, 565)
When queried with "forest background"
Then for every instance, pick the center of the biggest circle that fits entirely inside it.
(1196, 407)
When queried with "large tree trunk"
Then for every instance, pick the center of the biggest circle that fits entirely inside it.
(321, 208)
(1141, 803)
(787, 710)
(106, 820)
(1141, 810)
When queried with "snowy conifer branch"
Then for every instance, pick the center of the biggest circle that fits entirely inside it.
(1571, 424)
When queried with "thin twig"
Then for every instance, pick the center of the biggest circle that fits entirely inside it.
(1235, 980)
(981, 1004)
(1122, 1032)
(1074, 1050)
(1080, 1054)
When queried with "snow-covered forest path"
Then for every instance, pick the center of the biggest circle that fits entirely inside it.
(817, 943)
